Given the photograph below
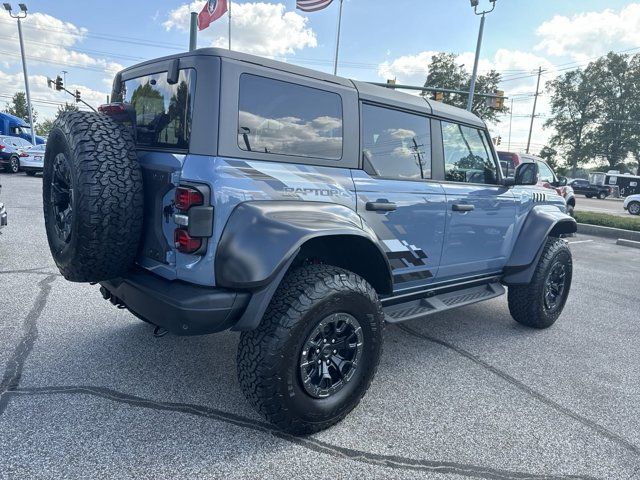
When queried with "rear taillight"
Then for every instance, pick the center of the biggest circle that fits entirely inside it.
(185, 243)
(1, 147)
(24, 154)
(187, 197)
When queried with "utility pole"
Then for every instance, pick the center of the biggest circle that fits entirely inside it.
(335, 60)
(474, 75)
(193, 32)
(19, 16)
(535, 103)
(510, 123)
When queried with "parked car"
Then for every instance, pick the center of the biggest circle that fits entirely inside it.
(299, 208)
(33, 162)
(12, 149)
(12, 126)
(509, 161)
(590, 190)
(3, 213)
(626, 183)
(632, 204)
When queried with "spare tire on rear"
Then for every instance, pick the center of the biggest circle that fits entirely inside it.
(92, 197)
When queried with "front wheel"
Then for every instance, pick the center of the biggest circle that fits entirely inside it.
(540, 303)
(634, 208)
(316, 351)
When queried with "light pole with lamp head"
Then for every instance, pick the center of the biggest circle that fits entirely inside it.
(19, 16)
(472, 88)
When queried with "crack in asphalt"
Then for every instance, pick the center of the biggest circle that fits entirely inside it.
(33, 271)
(13, 372)
(310, 443)
(605, 432)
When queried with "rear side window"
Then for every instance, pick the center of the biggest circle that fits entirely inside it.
(467, 155)
(162, 111)
(395, 144)
(285, 118)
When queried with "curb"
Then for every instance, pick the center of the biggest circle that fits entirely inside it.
(608, 232)
(628, 243)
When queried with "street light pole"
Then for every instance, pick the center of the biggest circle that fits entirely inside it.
(474, 75)
(19, 16)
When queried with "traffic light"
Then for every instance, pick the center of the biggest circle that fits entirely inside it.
(497, 102)
(58, 84)
(77, 95)
(391, 81)
(438, 96)
(497, 140)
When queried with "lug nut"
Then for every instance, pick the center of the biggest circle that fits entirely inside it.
(335, 351)
(333, 340)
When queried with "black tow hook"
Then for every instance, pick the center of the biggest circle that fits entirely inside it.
(159, 332)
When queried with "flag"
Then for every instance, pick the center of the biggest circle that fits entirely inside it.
(312, 5)
(212, 11)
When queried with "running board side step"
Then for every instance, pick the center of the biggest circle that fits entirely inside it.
(422, 307)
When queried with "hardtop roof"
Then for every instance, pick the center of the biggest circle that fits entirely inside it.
(366, 91)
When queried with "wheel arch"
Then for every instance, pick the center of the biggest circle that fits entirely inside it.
(263, 240)
(543, 221)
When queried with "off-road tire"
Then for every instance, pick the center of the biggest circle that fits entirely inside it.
(106, 196)
(526, 302)
(634, 208)
(268, 357)
(14, 165)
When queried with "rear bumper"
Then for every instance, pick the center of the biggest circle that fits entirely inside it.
(3, 216)
(179, 307)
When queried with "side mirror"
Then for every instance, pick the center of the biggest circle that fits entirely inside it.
(562, 182)
(526, 174)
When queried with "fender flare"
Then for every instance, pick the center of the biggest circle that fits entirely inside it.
(542, 222)
(262, 238)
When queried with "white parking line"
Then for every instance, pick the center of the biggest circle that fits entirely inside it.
(580, 241)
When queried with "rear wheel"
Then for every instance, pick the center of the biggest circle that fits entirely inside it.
(14, 165)
(540, 303)
(634, 208)
(316, 351)
(602, 195)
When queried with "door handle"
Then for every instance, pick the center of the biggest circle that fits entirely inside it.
(462, 207)
(381, 206)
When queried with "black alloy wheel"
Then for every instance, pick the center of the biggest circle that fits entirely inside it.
(330, 355)
(62, 198)
(554, 287)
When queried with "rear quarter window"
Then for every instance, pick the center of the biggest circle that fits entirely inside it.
(282, 118)
(163, 111)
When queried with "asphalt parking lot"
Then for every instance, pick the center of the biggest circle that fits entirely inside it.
(612, 206)
(86, 391)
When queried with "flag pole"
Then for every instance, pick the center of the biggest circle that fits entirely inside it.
(335, 62)
(229, 12)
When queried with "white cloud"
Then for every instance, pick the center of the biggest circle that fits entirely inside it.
(257, 27)
(590, 34)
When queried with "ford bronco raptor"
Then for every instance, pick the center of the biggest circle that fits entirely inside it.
(226, 191)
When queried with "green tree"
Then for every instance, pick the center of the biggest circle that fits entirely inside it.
(616, 134)
(446, 72)
(574, 109)
(18, 107)
(550, 154)
(43, 128)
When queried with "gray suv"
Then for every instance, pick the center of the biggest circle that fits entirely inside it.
(303, 210)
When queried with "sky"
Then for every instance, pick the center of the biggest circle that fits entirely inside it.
(380, 39)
